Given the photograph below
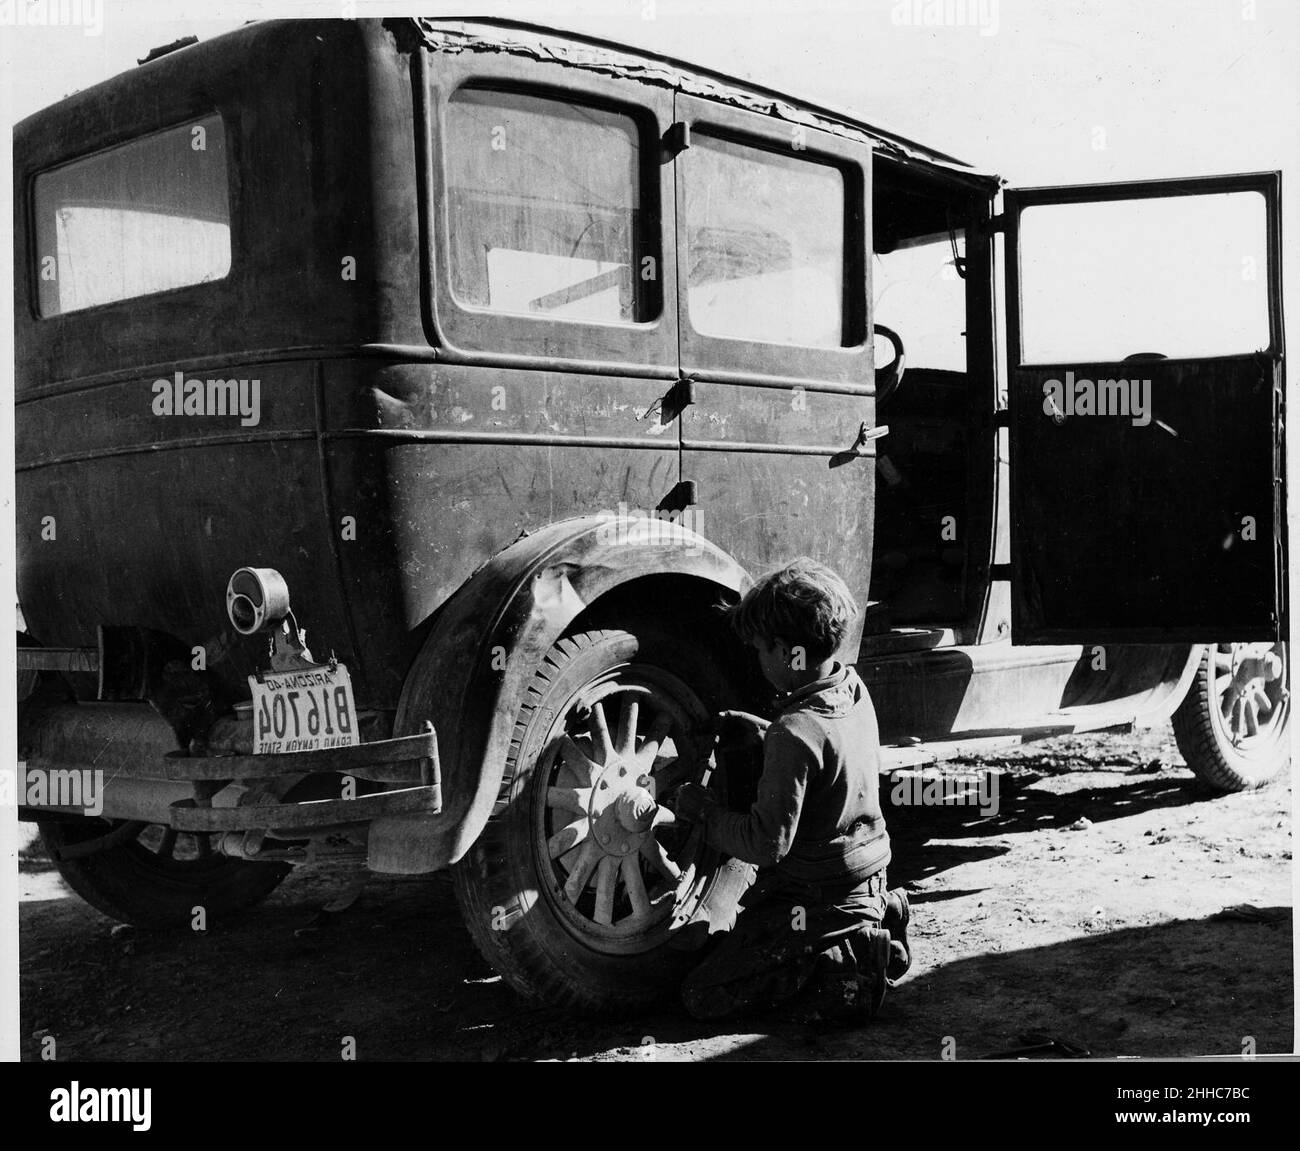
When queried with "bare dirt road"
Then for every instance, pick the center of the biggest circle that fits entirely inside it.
(1107, 903)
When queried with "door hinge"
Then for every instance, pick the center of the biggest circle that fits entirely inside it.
(677, 139)
(682, 495)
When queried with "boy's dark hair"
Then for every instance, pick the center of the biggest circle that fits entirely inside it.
(804, 603)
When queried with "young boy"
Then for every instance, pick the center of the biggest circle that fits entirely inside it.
(816, 830)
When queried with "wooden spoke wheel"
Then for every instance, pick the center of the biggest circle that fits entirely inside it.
(574, 891)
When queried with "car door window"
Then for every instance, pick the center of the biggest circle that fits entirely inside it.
(765, 244)
(1184, 277)
(545, 207)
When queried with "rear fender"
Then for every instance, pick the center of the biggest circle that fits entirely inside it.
(471, 673)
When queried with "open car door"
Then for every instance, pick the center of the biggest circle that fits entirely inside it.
(1146, 398)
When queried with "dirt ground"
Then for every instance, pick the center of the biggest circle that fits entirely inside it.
(1108, 903)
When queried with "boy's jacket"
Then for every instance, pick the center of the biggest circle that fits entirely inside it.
(817, 817)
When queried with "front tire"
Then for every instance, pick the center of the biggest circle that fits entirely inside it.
(563, 900)
(1233, 725)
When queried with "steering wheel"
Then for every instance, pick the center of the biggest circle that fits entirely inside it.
(888, 378)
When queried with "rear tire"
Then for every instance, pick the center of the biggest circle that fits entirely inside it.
(560, 898)
(1233, 725)
(158, 878)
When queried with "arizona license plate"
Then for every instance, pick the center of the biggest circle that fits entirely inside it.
(303, 711)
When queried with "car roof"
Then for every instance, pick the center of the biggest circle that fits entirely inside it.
(579, 50)
(459, 34)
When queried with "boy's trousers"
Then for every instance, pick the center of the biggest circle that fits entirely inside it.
(771, 952)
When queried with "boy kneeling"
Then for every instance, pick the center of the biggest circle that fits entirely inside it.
(816, 830)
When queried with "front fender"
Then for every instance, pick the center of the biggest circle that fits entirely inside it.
(470, 674)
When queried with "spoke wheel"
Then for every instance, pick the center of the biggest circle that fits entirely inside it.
(1250, 684)
(618, 881)
(156, 876)
(1232, 727)
(574, 891)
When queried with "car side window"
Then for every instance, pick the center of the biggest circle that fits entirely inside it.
(545, 211)
(765, 244)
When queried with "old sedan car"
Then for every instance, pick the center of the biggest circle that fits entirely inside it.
(397, 402)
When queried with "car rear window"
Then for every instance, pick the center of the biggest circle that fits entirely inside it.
(143, 217)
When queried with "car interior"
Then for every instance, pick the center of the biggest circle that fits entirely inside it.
(923, 466)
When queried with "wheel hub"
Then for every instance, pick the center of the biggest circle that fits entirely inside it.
(618, 805)
(1254, 669)
(1252, 689)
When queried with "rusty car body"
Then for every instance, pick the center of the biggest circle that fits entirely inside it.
(556, 343)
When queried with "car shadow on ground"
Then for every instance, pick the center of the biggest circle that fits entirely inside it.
(396, 976)
(928, 839)
(1022, 808)
(1214, 986)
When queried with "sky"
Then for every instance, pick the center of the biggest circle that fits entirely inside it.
(1040, 92)
(1037, 91)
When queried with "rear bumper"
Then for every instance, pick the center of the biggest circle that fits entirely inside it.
(414, 755)
(140, 774)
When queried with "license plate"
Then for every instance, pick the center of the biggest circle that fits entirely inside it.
(303, 711)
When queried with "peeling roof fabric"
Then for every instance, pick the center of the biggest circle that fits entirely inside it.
(457, 36)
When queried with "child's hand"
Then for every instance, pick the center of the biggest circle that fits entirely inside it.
(695, 802)
(737, 730)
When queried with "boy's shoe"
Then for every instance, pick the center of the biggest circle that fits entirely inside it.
(871, 947)
(832, 989)
(836, 961)
(835, 991)
(898, 914)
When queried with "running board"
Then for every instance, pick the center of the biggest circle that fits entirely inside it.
(897, 756)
